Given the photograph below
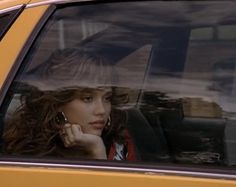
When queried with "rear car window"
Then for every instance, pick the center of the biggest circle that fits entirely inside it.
(174, 76)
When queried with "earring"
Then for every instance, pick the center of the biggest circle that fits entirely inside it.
(61, 118)
(109, 121)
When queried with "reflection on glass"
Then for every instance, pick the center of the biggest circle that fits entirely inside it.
(176, 71)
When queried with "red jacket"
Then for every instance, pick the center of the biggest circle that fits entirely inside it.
(123, 152)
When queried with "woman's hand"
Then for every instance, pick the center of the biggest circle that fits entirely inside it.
(73, 136)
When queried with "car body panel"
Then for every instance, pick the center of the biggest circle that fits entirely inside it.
(11, 3)
(12, 43)
(60, 177)
(33, 3)
(54, 1)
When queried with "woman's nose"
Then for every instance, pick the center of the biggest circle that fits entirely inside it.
(99, 107)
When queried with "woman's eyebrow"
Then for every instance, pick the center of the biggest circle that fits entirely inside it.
(108, 93)
(87, 91)
(94, 91)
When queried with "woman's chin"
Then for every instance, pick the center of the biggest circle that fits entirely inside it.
(96, 132)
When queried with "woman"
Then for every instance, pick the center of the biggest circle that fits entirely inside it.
(70, 111)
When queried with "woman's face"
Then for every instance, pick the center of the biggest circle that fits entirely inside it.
(91, 110)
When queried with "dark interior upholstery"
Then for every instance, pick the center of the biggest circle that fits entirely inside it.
(151, 146)
(194, 139)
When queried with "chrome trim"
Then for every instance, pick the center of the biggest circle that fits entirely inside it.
(10, 9)
(47, 2)
(125, 169)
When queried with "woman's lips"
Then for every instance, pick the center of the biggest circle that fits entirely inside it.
(98, 124)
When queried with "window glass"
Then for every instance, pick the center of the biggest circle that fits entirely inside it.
(4, 19)
(134, 81)
(202, 34)
(227, 32)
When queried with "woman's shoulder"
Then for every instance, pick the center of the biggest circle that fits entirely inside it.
(124, 150)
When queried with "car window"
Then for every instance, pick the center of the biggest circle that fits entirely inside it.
(173, 75)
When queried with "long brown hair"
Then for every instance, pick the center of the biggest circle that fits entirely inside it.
(33, 129)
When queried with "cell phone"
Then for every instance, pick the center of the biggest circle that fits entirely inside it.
(61, 118)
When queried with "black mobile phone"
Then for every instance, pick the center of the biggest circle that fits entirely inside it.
(61, 118)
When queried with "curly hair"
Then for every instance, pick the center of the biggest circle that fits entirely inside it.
(33, 129)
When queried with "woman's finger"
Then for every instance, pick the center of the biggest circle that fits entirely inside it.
(76, 130)
(66, 142)
(62, 133)
(69, 133)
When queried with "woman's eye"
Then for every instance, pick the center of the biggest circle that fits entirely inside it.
(87, 99)
(108, 98)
